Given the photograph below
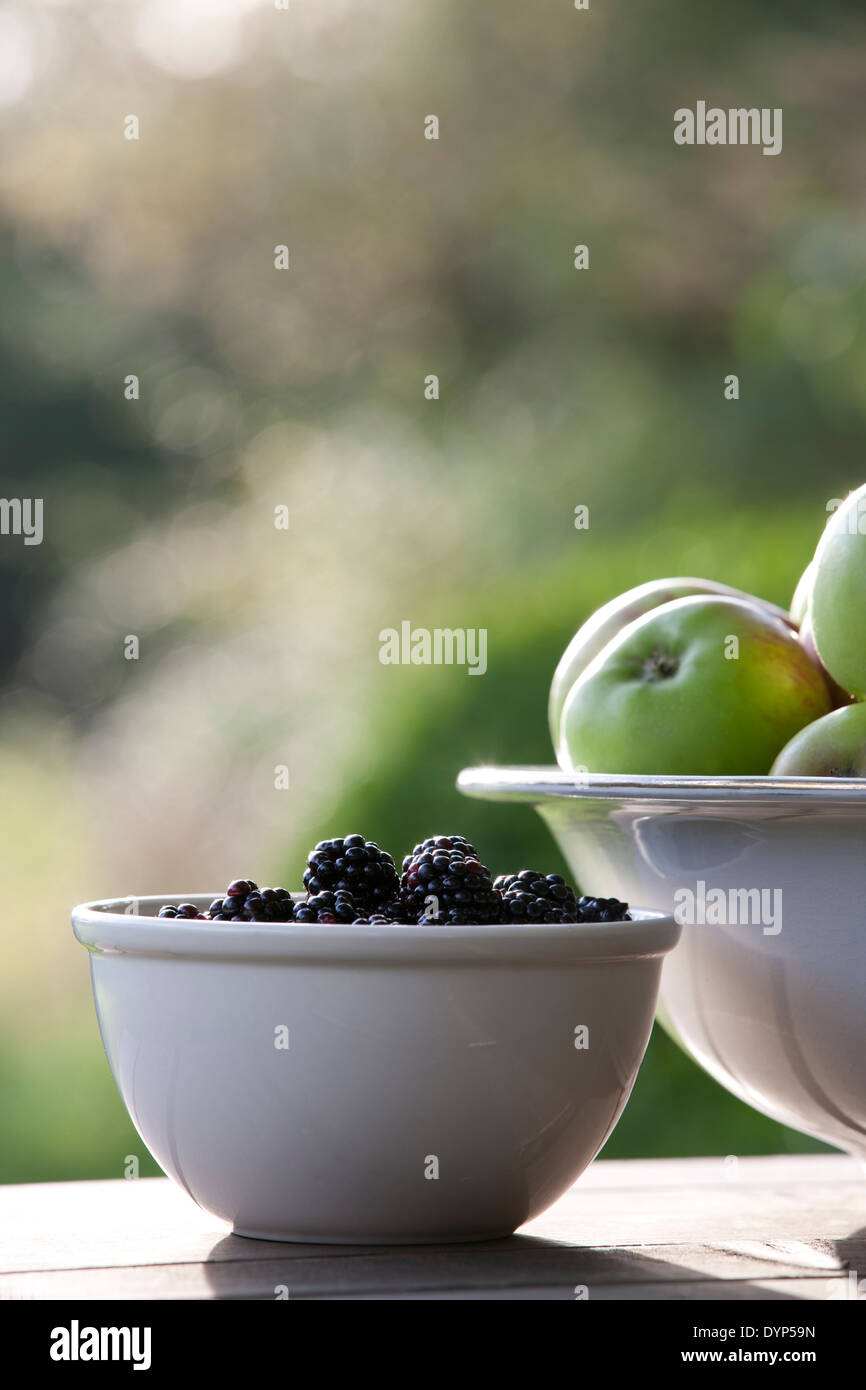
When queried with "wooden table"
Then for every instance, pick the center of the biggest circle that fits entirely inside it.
(752, 1228)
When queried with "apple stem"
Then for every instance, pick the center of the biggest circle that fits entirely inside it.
(660, 666)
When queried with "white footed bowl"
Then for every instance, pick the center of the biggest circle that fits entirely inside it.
(771, 999)
(372, 1084)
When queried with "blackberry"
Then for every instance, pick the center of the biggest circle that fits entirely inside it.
(442, 842)
(525, 907)
(246, 902)
(602, 910)
(329, 907)
(399, 911)
(269, 905)
(543, 892)
(352, 865)
(447, 868)
(231, 908)
(551, 887)
(452, 918)
(241, 887)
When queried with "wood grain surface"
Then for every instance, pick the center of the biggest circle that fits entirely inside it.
(779, 1228)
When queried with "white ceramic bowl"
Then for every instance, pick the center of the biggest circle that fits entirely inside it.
(431, 1089)
(771, 1000)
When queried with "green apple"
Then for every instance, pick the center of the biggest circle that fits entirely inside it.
(838, 696)
(610, 619)
(834, 746)
(703, 686)
(802, 594)
(838, 602)
(801, 617)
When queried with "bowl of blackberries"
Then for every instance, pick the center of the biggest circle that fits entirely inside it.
(389, 1056)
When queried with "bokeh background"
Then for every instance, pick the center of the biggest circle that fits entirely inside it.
(303, 126)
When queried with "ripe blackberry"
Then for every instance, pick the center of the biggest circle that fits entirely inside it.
(447, 868)
(352, 865)
(452, 918)
(524, 907)
(544, 892)
(442, 842)
(602, 910)
(395, 912)
(231, 908)
(246, 902)
(328, 907)
(401, 912)
(186, 911)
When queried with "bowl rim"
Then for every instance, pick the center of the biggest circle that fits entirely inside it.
(532, 784)
(108, 927)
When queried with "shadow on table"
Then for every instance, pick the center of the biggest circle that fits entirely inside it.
(516, 1268)
(851, 1251)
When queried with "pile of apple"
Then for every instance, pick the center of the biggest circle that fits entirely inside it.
(689, 677)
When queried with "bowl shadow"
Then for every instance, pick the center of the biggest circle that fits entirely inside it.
(518, 1268)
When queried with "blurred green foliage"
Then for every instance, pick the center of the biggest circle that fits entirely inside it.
(305, 388)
